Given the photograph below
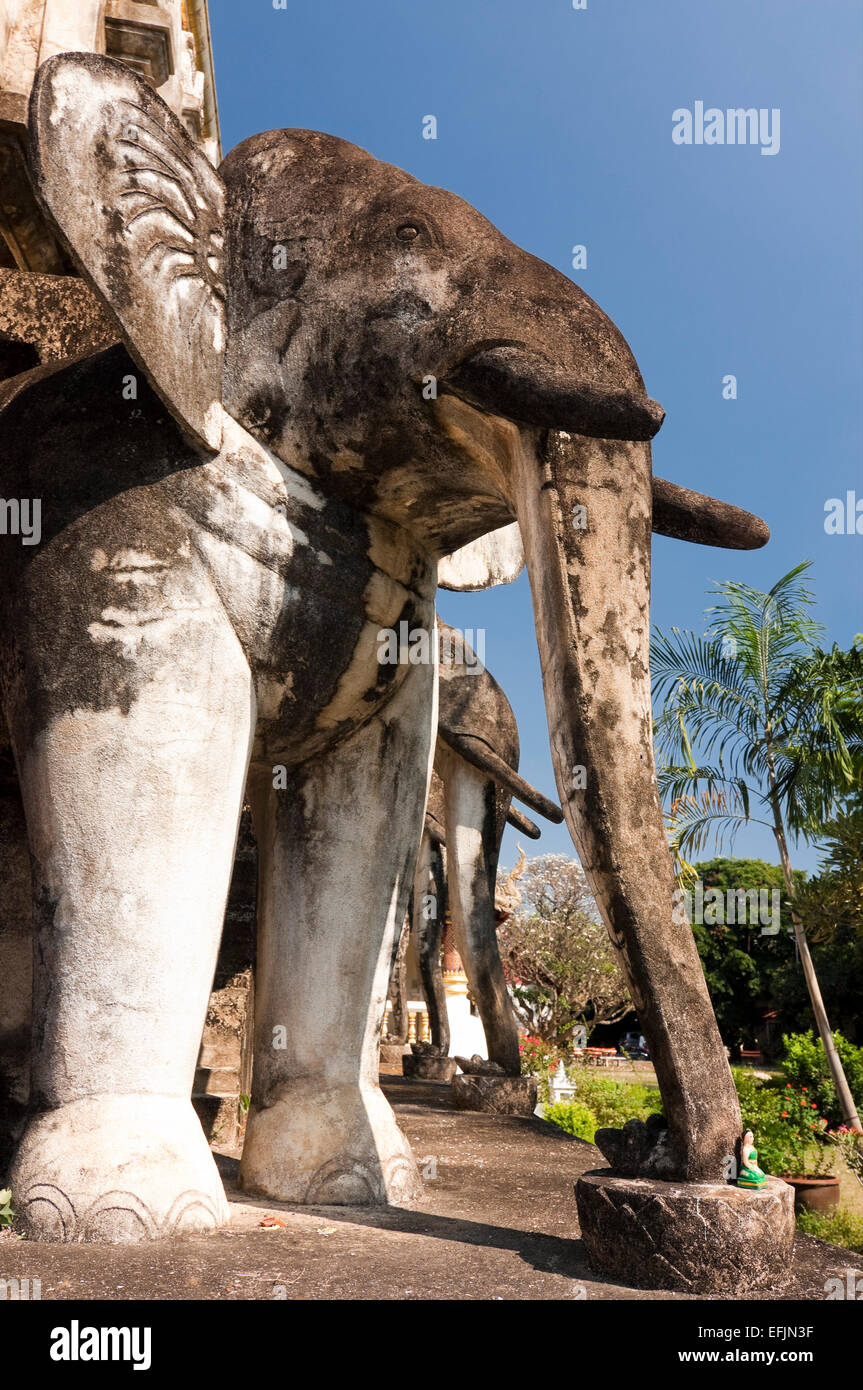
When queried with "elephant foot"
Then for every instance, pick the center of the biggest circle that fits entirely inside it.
(119, 1169)
(320, 1145)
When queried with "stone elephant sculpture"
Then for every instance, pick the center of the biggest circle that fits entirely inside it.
(474, 780)
(331, 377)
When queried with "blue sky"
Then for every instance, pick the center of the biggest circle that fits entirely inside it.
(557, 124)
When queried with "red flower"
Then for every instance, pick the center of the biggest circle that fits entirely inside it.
(785, 1114)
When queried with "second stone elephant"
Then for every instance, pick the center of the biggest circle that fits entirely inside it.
(474, 780)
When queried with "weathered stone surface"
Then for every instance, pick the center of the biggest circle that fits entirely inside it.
(219, 1117)
(700, 1238)
(44, 318)
(500, 1095)
(497, 558)
(392, 1053)
(469, 803)
(191, 620)
(26, 240)
(428, 1067)
(639, 1149)
(224, 1068)
(116, 111)
(16, 962)
(474, 778)
(117, 1169)
(478, 1066)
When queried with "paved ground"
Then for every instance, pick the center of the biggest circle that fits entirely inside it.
(497, 1222)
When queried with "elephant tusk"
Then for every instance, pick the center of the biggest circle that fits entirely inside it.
(523, 387)
(692, 516)
(474, 750)
(521, 822)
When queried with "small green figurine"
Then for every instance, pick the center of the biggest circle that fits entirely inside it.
(750, 1174)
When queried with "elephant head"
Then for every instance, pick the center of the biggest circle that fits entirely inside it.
(383, 338)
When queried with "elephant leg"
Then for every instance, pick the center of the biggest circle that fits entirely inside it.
(429, 914)
(473, 829)
(398, 991)
(132, 812)
(338, 848)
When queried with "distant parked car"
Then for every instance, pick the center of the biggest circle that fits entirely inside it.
(635, 1045)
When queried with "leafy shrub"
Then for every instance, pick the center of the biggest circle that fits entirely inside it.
(789, 1130)
(805, 1064)
(538, 1056)
(849, 1144)
(761, 1107)
(788, 1127)
(573, 1116)
(615, 1102)
(841, 1226)
(540, 1059)
(608, 1103)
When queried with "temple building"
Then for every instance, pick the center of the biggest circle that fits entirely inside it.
(168, 43)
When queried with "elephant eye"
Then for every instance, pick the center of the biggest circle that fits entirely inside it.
(408, 232)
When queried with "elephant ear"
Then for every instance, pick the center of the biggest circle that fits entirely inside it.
(142, 211)
(496, 558)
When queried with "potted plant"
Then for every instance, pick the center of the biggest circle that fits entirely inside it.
(807, 1158)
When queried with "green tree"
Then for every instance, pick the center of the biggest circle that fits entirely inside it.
(561, 966)
(740, 961)
(777, 726)
(838, 963)
(832, 902)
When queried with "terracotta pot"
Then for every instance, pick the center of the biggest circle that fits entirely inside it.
(816, 1194)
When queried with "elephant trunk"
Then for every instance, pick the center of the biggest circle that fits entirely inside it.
(584, 508)
(521, 822)
(522, 386)
(475, 750)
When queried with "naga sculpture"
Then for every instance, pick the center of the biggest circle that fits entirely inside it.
(474, 779)
(332, 376)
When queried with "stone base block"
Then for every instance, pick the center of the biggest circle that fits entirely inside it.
(700, 1238)
(219, 1116)
(392, 1053)
(425, 1068)
(499, 1095)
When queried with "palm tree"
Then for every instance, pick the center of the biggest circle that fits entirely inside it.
(778, 727)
